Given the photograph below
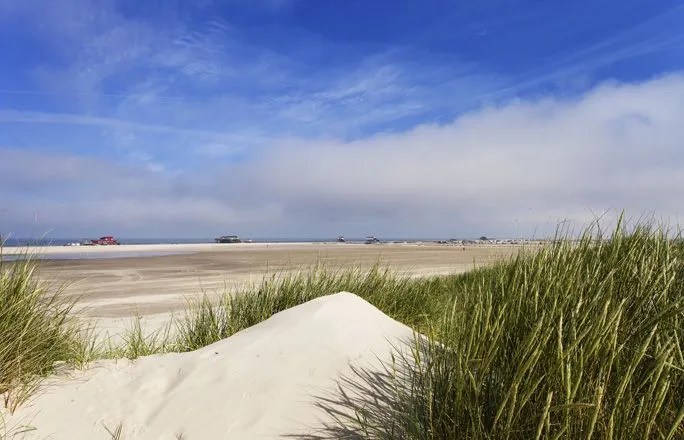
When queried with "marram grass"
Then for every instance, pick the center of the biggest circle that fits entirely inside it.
(579, 340)
(412, 301)
(36, 332)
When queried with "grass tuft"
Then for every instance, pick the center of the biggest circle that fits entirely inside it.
(36, 332)
(582, 339)
(412, 301)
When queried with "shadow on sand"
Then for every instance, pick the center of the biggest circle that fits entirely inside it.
(370, 402)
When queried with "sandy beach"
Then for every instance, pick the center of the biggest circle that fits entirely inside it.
(162, 283)
(116, 283)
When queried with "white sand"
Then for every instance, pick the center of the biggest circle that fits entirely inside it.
(261, 383)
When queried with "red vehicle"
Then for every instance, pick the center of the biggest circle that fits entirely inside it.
(106, 241)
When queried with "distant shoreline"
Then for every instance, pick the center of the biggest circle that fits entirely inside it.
(11, 242)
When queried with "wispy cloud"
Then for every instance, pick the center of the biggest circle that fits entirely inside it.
(16, 116)
(172, 73)
(649, 37)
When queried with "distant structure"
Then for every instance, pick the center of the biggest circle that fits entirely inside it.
(371, 240)
(107, 240)
(228, 239)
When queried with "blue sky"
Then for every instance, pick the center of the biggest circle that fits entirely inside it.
(312, 118)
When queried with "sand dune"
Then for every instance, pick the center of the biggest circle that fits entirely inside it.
(261, 383)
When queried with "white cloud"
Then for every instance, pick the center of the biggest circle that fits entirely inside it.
(516, 168)
(618, 146)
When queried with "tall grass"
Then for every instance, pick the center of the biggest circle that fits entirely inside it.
(579, 340)
(36, 331)
(412, 301)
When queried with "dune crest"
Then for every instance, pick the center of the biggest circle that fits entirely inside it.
(260, 383)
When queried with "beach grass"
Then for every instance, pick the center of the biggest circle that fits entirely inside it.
(581, 339)
(37, 332)
(412, 301)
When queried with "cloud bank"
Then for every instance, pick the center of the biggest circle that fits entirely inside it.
(511, 169)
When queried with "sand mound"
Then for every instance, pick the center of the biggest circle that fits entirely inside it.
(258, 384)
